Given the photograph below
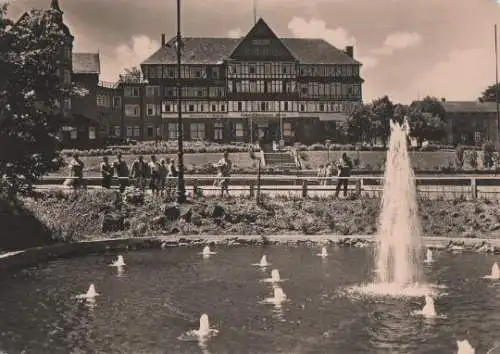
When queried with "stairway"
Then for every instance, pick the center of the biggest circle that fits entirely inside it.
(279, 160)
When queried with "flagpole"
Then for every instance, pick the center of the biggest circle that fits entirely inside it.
(496, 85)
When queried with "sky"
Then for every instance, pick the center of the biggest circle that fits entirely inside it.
(409, 48)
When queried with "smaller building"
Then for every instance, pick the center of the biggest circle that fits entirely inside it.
(470, 122)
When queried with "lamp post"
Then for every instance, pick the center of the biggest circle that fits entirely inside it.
(181, 188)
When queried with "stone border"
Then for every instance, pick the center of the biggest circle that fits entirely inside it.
(15, 261)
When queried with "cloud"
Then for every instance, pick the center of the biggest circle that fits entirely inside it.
(338, 37)
(454, 78)
(123, 56)
(397, 41)
(235, 33)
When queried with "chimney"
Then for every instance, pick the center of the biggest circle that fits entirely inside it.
(349, 50)
(163, 39)
(443, 99)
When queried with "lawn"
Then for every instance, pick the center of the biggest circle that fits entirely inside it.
(371, 160)
(92, 163)
(375, 160)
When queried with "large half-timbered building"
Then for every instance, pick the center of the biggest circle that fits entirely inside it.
(256, 88)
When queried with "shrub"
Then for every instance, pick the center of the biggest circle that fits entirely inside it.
(459, 157)
(488, 152)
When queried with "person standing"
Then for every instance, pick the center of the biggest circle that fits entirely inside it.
(163, 171)
(122, 172)
(224, 167)
(106, 173)
(76, 167)
(139, 172)
(344, 167)
(154, 175)
(328, 174)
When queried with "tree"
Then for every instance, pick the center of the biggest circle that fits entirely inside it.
(426, 118)
(400, 112)
(382, 111)
(31, 92)
(358, 126)
(490, 94)
(131, 76)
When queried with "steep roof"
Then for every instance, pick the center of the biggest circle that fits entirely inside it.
(86, 63)
(203, 50)
(469, 107)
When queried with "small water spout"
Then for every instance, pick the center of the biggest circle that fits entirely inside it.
(204, 329)
(323, 253)
(495, 272)
(275, 276)
(120, 262)
(91, 293)
(263, 261)
(428, 256)
(202, 334)
(429, 309)
(279, 295)
(207, 252)
(464, 347)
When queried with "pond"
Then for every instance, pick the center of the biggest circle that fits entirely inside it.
(161, 294)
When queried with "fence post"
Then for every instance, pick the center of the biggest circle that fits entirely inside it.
(304, 189)
(252, 189)
(359, 187)
(473, 185)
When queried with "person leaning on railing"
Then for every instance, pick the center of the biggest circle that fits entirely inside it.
(106, 173)
(344, 166)
(122, 172)
(139, 172)
(224, 172)
(76, 167)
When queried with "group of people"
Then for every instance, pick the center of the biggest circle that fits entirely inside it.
(160, 176)
(341, 168)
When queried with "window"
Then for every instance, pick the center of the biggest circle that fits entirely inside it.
(92, 133)
(130, 131)
(239, 130)
(132, 110)
(214, 108)
(153, 91)
(191, 108)
(197, 131)
(285, 106)
(222, 107)
(215, 73)
(240, 106)
(131, 91)
(477, 137)
(149, 131)
(67, 104)
(73, 134)
(117, 102)
(117, 131)
(137, 131)
(67, 77)
(302, 107)
(103, 100)
(173, 131)
(287, 129)
(218, 131)
(152, 109)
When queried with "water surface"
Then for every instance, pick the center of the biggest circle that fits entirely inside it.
(162, 294)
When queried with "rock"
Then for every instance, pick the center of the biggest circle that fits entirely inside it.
(171, 212)
(468, 234)
(134, 196)
(140, 229)
(216, 211)
(185, 214)
(112, 222)
(495, 227)
(158, 221)
(196, 219)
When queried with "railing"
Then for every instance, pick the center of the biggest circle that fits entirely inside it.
(451, 187)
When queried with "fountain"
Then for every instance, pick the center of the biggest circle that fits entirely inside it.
(428, 257)
(119, 262)
(279, 297)
(429, 309)
(495, 272)
(263, 262)
(202, 334)
(207, 252)
(91, 294)
(323, 253)
(464, 347)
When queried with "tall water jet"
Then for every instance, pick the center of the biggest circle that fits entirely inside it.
(275, 276)
(399, 238)
(323, 253)
(263, 261)
(204, 329)
(120, 262)
(464, 347)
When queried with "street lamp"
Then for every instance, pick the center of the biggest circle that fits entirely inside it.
(181, 187)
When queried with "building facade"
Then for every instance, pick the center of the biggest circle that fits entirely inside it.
(257, 88)
(470, 122)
